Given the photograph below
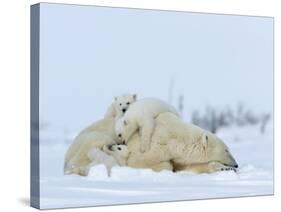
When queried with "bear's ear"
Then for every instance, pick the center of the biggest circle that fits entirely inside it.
(115, 98)
(135, 97)
(125, 122)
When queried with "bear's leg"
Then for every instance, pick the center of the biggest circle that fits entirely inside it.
(84, 170)
(162, 166)
(146, 133)
(217, 166)
(198, 168)
(209, 167)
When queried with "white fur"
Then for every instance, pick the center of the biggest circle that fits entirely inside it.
(120, 105)
(141, 115)
(175, 145)
(115, 156)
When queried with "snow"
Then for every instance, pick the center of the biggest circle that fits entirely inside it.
(253, 151)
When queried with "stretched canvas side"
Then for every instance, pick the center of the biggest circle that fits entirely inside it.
(34, 153)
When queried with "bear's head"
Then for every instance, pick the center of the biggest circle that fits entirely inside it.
(218, 151)
(124, 129)
(123, 102)
(119, 150)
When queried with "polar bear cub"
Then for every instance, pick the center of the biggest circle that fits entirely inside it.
(120, 105)
(113, 155)
(141, 116)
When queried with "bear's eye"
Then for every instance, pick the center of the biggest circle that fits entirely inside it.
(128, 103)
(120, 104)
(119, 148)
(119, 135)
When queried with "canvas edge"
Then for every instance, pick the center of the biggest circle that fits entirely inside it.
(35, 132)
(154, 9)
(34, 109)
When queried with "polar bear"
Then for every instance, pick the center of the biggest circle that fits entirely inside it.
(120, 105)
(96, 135)
(119, 152)
(178, 146)
(175, 146)
(141, 115)
(112, 155)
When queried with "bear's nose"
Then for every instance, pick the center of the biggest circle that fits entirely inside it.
(124, 110)
(235, 166)
(110, 147)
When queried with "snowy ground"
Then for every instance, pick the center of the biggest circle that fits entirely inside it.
(252, 150)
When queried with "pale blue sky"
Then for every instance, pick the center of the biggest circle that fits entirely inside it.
(90, 54)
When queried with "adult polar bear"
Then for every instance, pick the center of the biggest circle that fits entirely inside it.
(184, 146)
(175, 145)
(97, 135)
